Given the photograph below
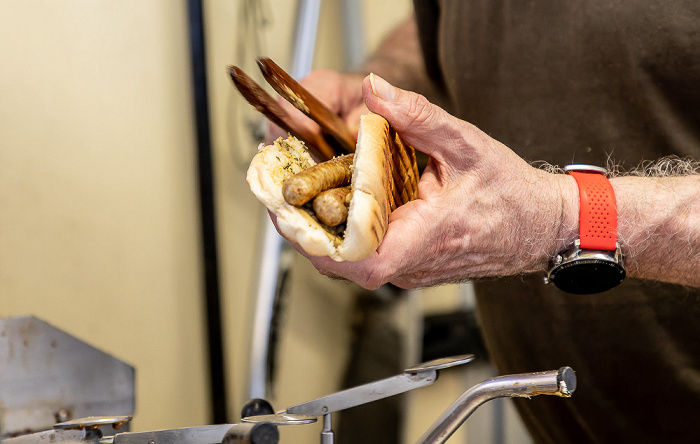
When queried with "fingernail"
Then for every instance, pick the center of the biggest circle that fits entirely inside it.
(381, 88)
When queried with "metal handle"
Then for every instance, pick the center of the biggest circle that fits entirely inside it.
(365, 393)
(560, 382)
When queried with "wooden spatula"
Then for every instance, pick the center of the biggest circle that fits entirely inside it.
(268, 106)
(305, 102)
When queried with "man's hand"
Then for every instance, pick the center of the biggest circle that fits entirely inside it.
(481, 210)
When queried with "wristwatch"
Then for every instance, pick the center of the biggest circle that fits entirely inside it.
(593, 264)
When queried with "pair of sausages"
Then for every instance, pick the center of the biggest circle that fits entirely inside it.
(327, 184)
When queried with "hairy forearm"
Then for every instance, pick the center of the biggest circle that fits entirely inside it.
(658, 209)
(659, 227)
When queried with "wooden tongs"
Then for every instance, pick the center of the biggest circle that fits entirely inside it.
(336, 138)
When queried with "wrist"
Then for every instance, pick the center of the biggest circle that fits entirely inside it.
(569, 220)
(552, 212)
(593, 263)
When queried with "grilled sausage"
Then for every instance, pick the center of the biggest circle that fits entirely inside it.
(331, 206)
(307, 184)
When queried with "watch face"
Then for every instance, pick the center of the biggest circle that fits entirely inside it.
(587, 276)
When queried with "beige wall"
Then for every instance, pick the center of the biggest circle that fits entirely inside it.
(98, 197)
(98, 213)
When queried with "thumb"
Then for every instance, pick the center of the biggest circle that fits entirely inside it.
(425, 126)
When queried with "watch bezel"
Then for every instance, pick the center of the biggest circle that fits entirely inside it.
(582, 167)
(575, 256)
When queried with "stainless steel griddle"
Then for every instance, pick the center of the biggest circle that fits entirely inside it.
(48, 393)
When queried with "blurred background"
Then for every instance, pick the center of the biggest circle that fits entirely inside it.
(100, 215)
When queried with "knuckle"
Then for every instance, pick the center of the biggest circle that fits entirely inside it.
(419, 112)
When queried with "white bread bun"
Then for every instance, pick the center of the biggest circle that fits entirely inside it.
(372, 189)
(372, 195)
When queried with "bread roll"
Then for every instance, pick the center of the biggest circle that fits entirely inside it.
(373, 196)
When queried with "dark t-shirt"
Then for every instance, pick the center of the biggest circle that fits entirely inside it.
(583, 82)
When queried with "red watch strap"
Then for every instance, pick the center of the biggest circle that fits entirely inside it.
(598, 214)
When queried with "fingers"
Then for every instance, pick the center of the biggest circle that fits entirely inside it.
(425, 126)
(367, 273)
(387, 263)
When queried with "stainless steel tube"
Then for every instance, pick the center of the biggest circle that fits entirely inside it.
(308, 12)
(264, 302)
(302, 60)
(353, 29)
(560, 382)
(327, 435)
